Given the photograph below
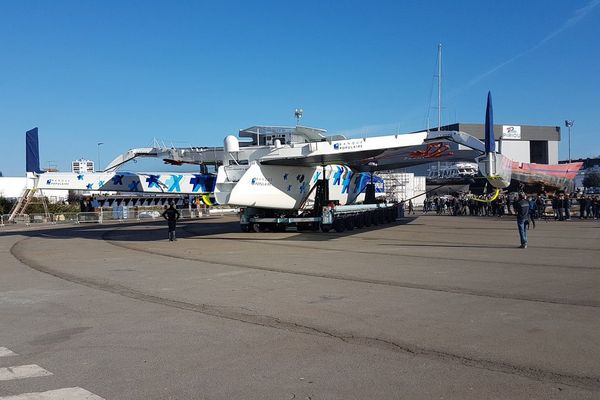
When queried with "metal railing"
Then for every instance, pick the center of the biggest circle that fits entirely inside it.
(109, 215)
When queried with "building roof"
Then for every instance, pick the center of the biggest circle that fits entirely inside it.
(528, 132)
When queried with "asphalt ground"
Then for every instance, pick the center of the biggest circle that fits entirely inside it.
(434, 307)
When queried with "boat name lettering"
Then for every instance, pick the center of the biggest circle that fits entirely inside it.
(57, 182)
(261, 181)
(349, 145)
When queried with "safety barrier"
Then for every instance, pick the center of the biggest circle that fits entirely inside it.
(110, 215)
(18, 220)
(65, 218)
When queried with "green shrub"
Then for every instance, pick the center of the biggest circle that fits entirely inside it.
(6, 205)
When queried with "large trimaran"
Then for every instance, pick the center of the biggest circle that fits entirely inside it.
(286, 171)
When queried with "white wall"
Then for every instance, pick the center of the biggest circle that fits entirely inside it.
(552, 152)
(517, 150)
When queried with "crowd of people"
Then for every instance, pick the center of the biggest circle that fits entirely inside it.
(559, 206)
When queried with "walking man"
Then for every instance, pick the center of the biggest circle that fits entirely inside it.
(522, 210)
(171, 215)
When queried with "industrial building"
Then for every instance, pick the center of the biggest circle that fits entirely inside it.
(522, 143)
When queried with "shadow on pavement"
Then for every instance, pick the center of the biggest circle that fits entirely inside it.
(156, 230)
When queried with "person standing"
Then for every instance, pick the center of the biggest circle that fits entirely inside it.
(411, 208)
(508, 204)
(171, 215)
(541, 206)
(532, 211)
(555, 205)
(589, 202)
(581, 201)
(567, 206)
(521, 208)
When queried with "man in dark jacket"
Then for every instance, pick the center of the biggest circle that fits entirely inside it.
(567, 206)
(581, 201)
(171, 215)
(522, 210)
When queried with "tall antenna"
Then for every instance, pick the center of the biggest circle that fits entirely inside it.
(439, 87)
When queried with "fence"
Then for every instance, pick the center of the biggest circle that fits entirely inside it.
(110, 215)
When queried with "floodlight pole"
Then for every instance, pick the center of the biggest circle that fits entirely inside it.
(569, 124)
(298, 113)
(99, 144)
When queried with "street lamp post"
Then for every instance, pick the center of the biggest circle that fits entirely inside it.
(99, 144)
(569, 124)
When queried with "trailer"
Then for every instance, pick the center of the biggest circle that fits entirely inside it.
(338, 218)
(324, 216)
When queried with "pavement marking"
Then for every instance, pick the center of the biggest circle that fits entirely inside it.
(22, 371)
(75, 393)
(4, 352)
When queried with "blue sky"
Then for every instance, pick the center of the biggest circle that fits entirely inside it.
(192, 72)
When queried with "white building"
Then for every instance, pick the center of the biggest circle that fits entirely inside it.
(13, 188)
(82, 166)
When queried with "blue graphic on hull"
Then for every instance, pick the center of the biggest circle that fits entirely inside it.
(173, 181)
(203, 183)
(303, 187)
(337, 177)
(153, 181)
(364, 178)
(346, 183)
(360, 182)
(117, 180)
(134, 186)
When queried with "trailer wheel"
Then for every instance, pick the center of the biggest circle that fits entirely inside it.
(339, 225)
(245, 227)
(374, 219)
(388, 215)
(256, 227)
(368, 219)
(325, 227)
(302, 226)
(349, 222)
(380, 218)
(279, 227)
(360, 220)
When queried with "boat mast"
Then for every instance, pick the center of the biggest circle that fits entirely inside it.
(439, 87)
(439, 93)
